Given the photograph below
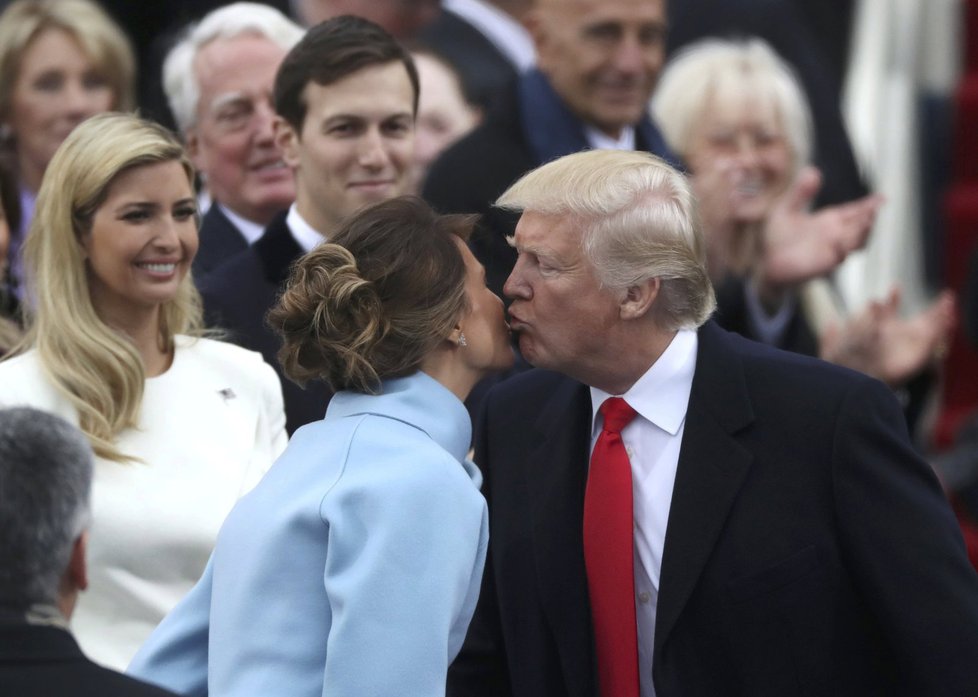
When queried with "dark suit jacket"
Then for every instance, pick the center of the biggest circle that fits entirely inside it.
(239, 294)
(40, 661)
(220, 240)
(484, 69)
(808, 550)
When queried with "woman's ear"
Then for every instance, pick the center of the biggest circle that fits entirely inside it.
(456, 336)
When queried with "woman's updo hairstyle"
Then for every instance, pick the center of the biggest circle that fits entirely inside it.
(372, 302)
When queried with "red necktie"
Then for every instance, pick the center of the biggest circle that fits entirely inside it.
(608, 555)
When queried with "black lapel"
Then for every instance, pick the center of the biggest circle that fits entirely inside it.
(712, 467)
(557, 475)
(277, 250)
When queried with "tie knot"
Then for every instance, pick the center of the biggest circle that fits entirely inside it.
(617, 414)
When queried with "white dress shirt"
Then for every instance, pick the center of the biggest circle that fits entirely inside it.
(250, 230)
(599, 140)
(303, 233)
(652, 441)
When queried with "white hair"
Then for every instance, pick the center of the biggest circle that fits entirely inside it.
(240, 18)
(730, 67)
(637, 219)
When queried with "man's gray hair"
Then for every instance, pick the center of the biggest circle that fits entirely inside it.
(45, 486)
(637, 220)
(240, 18)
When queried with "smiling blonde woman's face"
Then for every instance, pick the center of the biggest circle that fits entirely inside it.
(56, 88)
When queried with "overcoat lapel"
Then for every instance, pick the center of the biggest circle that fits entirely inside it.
(557, 475)
(712, 467)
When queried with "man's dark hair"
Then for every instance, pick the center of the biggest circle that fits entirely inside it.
(328, 53)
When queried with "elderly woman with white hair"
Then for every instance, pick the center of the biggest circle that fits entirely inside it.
(737, 115)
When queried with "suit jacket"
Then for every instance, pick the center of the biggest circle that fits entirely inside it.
(239, 294)
(220, 240)
(484, 69)
(43, 661)
(809, 551)
(471, 174)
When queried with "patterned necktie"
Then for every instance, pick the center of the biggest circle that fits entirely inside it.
(608, 555)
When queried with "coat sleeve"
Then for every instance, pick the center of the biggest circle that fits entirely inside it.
(904, 546)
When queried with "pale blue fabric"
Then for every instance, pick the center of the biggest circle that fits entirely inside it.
(353, 568)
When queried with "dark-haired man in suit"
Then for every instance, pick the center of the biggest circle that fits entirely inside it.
(346, 98)
(677, 511)
(45, 486)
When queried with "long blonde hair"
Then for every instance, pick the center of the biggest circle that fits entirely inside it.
(95, 366)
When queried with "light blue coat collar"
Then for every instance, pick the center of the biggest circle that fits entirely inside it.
(417, 400)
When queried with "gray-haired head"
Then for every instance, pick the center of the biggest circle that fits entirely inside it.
(45, 484)
(237, 19)
(637, 220)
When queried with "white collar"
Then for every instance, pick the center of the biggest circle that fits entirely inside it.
(661, 395)
(302, 232)
(599, 140)
(251, 231)
(506, 34)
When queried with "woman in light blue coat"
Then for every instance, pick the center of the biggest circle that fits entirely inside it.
(354, 566)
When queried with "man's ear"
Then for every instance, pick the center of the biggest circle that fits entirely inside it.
(287, 139)
(77, 571)
(638, 299)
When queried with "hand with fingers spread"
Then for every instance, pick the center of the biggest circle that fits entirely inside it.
(799, 244)
(730, 244)
(881, 343)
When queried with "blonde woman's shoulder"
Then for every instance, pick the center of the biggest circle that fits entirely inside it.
(23, 382)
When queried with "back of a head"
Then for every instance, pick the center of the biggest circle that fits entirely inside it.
(105, 43)
(637, 219)
(373, 302)
(226, 22)
(45, 482)
(329, 52)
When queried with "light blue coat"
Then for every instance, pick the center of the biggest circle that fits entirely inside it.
(353, 568)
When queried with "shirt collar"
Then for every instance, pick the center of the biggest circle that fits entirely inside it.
(661, 395)
(302, 232)
(599, 140)
(251, 231)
